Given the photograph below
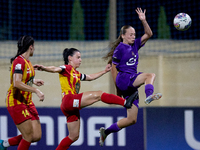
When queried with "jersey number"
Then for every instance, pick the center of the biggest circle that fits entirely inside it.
(25, 112)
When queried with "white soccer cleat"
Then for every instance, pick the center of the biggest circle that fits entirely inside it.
(150, 98)
(102, 136)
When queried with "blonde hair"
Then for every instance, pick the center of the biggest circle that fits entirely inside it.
(113, 45)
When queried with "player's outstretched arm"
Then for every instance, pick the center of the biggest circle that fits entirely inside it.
(147, 30)
(99, 74)
(51, 69)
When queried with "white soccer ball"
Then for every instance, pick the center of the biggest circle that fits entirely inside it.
(182, 21)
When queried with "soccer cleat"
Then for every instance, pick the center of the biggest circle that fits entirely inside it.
(102, 136)
(150, 98)
(129, 101)
(1, 145)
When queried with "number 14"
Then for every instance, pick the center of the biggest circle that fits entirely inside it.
(25, 112)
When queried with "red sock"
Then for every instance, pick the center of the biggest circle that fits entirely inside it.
(15, 140)
(112, 99)
(64, 144)
(24, 145)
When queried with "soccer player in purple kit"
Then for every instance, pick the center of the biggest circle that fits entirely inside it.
(124, 59)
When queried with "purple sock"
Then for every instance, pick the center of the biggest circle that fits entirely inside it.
(149, 89)
(112, 128)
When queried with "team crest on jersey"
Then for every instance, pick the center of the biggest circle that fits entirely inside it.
(131, 62)
(77, 87)
(30, 81)
(76, 103)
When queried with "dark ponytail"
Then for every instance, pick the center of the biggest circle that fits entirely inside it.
(68, 52)
(23, 44)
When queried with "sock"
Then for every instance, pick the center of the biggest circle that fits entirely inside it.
(113, 128)
(149, 89)
(64, 144)
(112, 99)
(5, 143)
(24, 145)
(14, 140)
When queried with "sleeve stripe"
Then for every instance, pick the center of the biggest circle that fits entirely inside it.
(83, 77)
(115, 59)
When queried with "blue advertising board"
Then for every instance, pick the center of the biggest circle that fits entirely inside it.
(54, 129)
(172, 128)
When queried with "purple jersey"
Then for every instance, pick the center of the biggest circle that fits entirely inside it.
(126, 56)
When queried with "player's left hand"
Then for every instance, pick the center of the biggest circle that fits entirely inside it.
(38, 82)
(141, 14)
(108, 67)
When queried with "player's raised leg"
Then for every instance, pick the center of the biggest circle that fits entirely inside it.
(91, 97)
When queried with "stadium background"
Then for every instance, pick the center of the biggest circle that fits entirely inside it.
(90, 26)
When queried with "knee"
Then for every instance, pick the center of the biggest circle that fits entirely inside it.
(36, 138)
(97, 95)
(132, 122)
(151, 75)
(74, 137)
(28, 136)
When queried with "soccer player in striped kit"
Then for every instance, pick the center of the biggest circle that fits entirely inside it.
(124, 59)
(72, 101)
(19, 97)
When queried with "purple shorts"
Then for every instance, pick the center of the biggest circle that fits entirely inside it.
(124, 82)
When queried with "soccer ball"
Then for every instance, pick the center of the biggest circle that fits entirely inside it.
(182, 21)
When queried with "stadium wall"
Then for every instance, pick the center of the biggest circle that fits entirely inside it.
(175, 63)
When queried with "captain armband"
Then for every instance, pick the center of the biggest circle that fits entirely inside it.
(83, 77)
(18, 71)
(63, 69)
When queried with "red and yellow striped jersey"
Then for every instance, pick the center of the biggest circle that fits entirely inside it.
(70, 80)
(16, 96)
